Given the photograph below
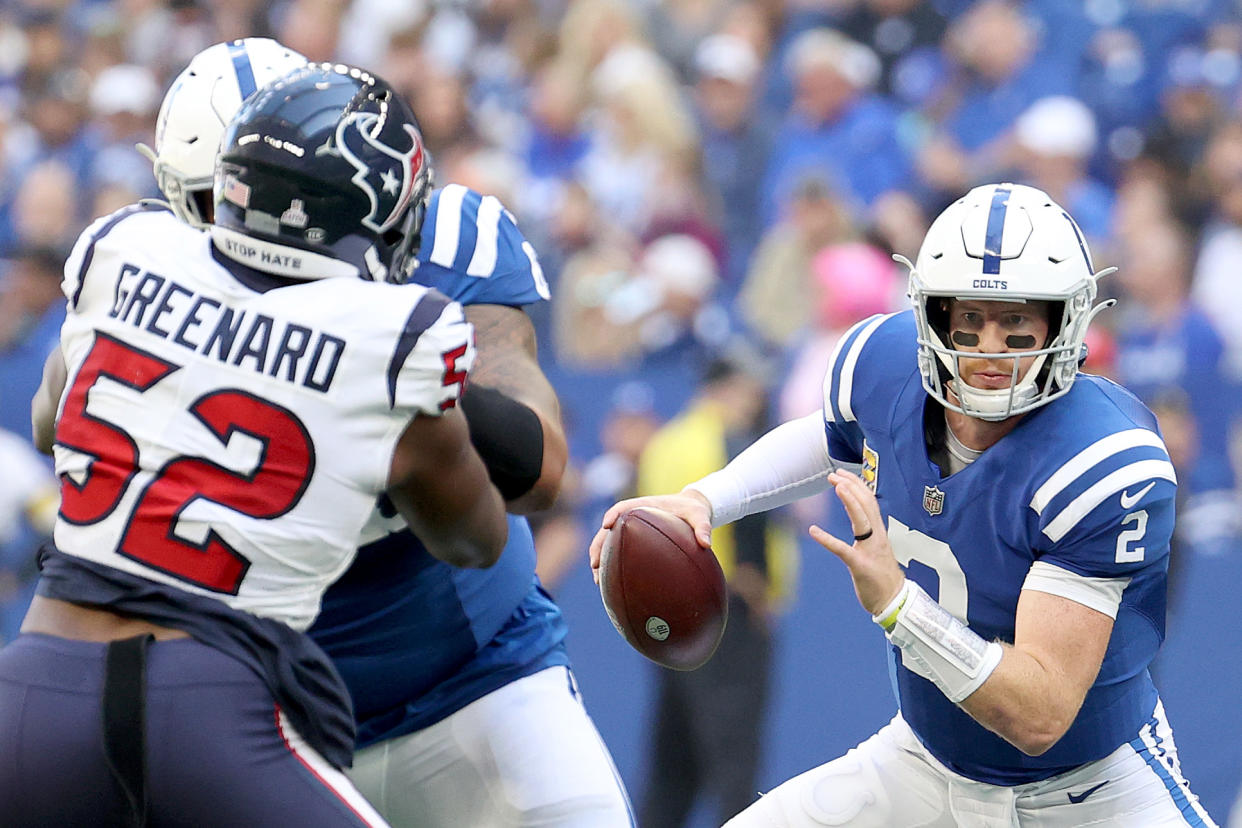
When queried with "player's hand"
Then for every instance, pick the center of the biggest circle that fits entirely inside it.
(877, 577)
(689, 505)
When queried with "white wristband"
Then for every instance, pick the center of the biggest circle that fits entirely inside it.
(942, 648)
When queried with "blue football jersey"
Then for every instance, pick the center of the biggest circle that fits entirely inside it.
(414, 638)
(473, 251)
(1083, 484)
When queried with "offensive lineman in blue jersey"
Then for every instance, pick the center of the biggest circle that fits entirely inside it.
(1011, 531)
(461, 686)
(467, 711)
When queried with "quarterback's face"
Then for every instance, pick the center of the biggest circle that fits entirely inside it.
(984, 327)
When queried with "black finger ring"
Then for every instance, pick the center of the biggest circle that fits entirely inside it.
(863, 536)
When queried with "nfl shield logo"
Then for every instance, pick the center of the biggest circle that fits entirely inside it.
(933, 500)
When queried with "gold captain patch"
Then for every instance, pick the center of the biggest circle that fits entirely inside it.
(870, 466)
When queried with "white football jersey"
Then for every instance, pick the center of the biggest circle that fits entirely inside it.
(228, 438)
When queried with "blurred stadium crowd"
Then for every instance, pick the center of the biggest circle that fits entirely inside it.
(699, 177)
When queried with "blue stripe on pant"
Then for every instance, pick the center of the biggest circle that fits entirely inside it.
(214, 753)
(1155, 761)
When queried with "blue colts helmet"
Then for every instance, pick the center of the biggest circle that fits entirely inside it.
(323, 173)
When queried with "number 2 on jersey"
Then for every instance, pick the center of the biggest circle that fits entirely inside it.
(273, 487)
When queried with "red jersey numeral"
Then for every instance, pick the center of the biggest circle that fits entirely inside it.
(272, 488)
(453, 375)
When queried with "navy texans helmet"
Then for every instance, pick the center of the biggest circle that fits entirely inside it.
(323, 173)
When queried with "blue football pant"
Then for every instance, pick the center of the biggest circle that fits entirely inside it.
(218, 751)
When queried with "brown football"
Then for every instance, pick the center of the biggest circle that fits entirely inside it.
(663, 592)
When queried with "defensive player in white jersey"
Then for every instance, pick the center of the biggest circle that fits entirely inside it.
(1011, 537)
(236, 403)
(466, 708)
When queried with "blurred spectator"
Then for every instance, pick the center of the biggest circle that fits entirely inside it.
(708, 723)
(32, 309)
(592, 29)
(29, 498)
(1167, 346)
(311, 27)
(124, 100)
(46, 45)
(1217, 288)
(619, 316)
(624, 433)
(444, 115)
(905, 35)
(1055, 138)
(643, 136)
(775, 300)
(1190, 109)
(897, 223)
(994, 46)
(559, 533)
(678, 28)
(1101, 352)
(837, 129)
(368, 25)
(56, 108)
(735, 144)
(1181, 438)
(45, 212)
(849, 282)
(557, 140)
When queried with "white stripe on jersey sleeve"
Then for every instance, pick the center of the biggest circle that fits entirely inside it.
(832, 363)
(536, 271)
(448, 225)
(1122, 478)
(1100, 594)
(847, 370)
(483, 262)
(1098, 451)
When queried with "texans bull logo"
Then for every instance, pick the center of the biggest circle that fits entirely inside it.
(388, 180)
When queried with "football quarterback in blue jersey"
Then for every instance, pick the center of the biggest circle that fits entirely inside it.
(466, 708)
(1011, 523)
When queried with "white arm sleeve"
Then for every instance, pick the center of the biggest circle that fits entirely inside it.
(788, 463)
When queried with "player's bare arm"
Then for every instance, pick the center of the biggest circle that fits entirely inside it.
(1035, 692)
(46, 401)
(507, 362)
(1037, 688)
(441, 487)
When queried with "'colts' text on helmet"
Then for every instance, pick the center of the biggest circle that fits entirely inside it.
(323, 173)
(1009, 243)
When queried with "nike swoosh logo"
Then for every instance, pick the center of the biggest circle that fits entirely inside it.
(1077, 798)
(1128, 500)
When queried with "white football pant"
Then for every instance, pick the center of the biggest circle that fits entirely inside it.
(522, 756)
(891, 780)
